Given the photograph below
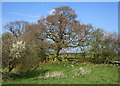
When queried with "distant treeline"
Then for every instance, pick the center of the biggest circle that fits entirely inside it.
(70, 53)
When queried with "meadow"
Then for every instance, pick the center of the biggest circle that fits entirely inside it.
(67, 73)
(58, 49)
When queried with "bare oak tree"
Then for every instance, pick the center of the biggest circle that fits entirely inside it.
(64, 30)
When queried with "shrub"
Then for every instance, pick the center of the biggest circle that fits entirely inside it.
(103, 46)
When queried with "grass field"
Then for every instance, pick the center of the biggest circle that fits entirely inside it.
(67, 73)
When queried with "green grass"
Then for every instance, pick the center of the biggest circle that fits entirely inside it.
(101, 74)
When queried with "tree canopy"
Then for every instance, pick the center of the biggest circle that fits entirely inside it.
(64, 29)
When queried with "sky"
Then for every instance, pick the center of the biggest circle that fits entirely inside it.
(100, 14)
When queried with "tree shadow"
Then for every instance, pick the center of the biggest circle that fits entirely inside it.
(27, 75)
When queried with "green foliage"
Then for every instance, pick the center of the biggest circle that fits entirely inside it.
(63, 58)
(31, 57)
(7, 40)
(28, 60)
(103, 46)
(15, 57)
(52, 59)
(42, 55)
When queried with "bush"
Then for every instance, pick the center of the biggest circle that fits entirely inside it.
(19, 54)
(103, 46)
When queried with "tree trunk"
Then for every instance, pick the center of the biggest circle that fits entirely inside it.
(10, 67)
(57, 50)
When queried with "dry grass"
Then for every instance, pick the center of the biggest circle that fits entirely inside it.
(52, 74)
